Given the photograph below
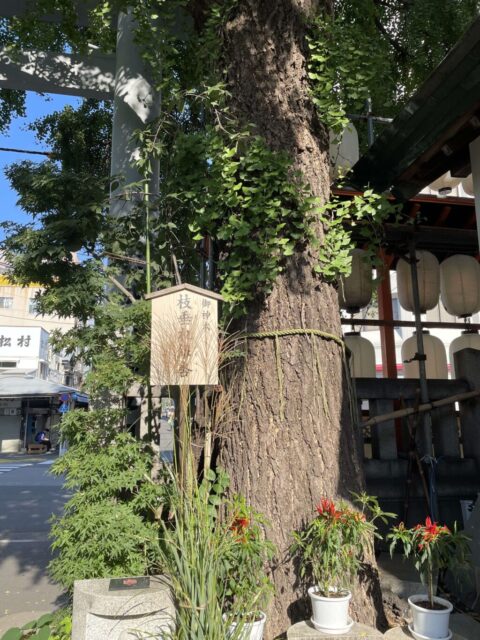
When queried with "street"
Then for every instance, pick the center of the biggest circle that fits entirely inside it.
(28, 498)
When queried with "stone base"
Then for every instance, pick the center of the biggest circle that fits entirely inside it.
(306, 629)
(99, 613)
(402, 633)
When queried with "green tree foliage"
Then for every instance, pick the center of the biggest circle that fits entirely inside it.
(109, 527)
(218, 178)
(380, 49)
(50, 626)
(246, 197)
(110, 524)
(67, 198)
(211, 184)
(12, 102)
(417, 35)
(115, 344)
(64, 196)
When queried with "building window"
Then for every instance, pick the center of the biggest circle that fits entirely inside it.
(32, 306)
(43, 370)
(7, 364)
(6, 303)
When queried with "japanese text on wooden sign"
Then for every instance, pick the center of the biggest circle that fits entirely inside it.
(184, 341)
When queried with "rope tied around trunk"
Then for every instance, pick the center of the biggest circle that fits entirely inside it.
(281, 333)
(292, 332)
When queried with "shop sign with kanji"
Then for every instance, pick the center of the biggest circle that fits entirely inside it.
(23, 342)
(184, 338)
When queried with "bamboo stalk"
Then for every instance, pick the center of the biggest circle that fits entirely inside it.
(428, 406)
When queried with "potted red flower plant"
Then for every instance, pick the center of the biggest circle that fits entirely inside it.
(247, 586)
(433, 547)
(331, 549)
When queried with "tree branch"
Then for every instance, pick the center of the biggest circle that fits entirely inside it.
(121, 288)
(395, 44)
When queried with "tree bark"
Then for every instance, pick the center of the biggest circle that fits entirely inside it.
(295, 441)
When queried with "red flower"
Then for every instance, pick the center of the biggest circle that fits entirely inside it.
(327, 508)
(240, 523)
(432, 529)
(239, 528)
(430, 532)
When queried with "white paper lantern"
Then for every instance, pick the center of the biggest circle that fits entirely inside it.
(362, 359)
(460, 285)
(467, 185)
(355, 291)
(445, 184)
(467, 340)
(436, 362)
(344, 151)
(428, 275)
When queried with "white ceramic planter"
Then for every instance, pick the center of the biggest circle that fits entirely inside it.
(251, 630)
(330, 615)
(432, 624)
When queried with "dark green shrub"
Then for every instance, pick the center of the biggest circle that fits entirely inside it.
(109, 526)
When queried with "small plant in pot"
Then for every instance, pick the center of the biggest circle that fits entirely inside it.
(247, 586)
(331, 549)
(433, 548)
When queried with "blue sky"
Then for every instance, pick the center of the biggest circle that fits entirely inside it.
(21, 138)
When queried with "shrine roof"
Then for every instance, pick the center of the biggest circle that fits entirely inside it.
(432, 133)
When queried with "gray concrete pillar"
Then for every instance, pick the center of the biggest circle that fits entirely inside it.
(135, 105)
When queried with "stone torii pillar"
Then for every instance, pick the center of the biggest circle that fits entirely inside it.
(121, 78)
(135, 105)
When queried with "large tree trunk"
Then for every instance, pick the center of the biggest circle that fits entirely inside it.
(295, 441)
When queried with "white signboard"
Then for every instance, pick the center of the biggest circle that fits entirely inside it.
(184, 339)
(23, 342)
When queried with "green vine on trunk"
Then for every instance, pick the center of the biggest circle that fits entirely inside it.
(251, 206)
(349, 222)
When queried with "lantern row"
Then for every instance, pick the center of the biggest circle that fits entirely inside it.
(456, 281)
(362, 354)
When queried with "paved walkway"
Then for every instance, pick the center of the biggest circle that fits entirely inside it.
(29, 496)
(5, 468)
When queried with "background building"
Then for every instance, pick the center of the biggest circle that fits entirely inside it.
(18, 312)
(37, 385)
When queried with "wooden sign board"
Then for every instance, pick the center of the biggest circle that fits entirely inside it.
(184, 338)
